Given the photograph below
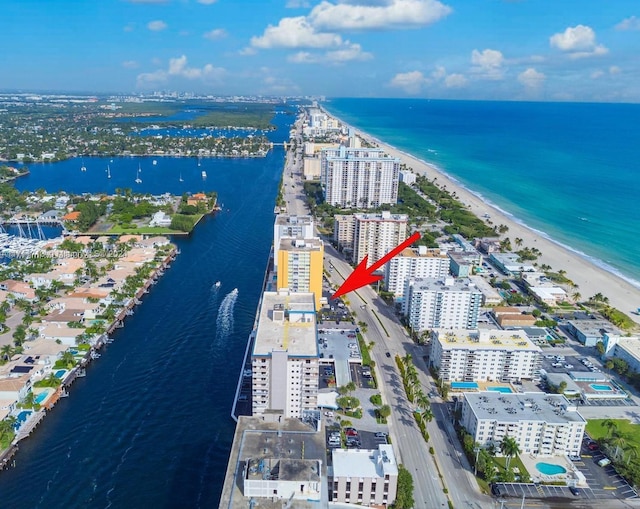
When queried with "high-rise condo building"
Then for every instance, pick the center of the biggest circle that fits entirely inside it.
(290, 226)
(359, 177)
(541, 424)
(484, 355)
(377, 234)
(285, 356)
(441, 303)
(414, 263)
(299, 266)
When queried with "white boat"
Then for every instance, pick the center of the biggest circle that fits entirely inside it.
(108, 172)
(218, 283)
(83, 167)
(181, 179)
(155, 162)
(204, 174)
(138, 179)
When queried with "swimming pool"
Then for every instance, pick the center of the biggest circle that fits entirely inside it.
(550, 469)
(464, 385)
(41, 397)
(21, 418)
(503, 390)
(60, 373)
(601, 387)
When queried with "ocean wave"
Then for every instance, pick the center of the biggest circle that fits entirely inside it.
(224, 322)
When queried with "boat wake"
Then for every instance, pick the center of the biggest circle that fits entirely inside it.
(224, 323)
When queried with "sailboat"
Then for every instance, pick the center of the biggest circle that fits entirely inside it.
(83, 167)
(138, 179)
(181, 179)
(108, 172)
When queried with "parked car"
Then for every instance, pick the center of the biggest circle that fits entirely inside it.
(604, 462)
(575, 491)
(387, 354)
(593, 446)
(381, 434)
(328, 414)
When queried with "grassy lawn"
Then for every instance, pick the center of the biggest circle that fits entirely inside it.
(364, 350)
(596, 430)
(5, 441)
(515, 462)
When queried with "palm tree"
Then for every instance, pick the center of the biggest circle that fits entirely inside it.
(611, 425)
(7, 426)
(509, 448)
(576, 296)
(518, 241)
(351, 386)
(6, 352)
(620, 441)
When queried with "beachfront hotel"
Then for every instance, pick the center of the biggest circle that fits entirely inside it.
(300, 266)
(448, 303)
(484, 355)
(542, 424)
(417, 262)
(285, 355)
(365, 477)
(359, 177)
(374, 235)
(290, 226)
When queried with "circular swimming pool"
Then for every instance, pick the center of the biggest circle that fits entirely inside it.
(550, 469)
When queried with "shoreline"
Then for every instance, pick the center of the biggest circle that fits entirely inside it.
(590, 274)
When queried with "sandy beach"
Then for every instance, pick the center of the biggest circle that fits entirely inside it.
(590, 278)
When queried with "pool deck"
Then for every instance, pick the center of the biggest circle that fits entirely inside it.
(571, 476)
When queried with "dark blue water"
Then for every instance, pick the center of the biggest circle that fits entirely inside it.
(149, 426)
(571, 170)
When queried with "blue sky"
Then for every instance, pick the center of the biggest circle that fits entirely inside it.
(584, 50)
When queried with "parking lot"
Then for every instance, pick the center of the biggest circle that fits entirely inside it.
(339, 346)
(362, 376)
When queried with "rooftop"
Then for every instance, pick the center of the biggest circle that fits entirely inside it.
(364, 462)
(488, 339)
(284, 220)
(422, 252)
(448, 284)
(299, 244)
(528, 406)
(284, 442)
(590, 327)
(382, 216)
(287, 321)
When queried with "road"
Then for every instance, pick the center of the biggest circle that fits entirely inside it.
(388, 335)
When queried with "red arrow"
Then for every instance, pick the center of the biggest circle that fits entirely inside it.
(362, 275)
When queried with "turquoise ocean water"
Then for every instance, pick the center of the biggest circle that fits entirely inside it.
(568, 170)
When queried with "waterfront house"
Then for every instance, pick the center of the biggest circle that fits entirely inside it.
(62, 332)
(71, 216)
(160, 219)
(197, 198)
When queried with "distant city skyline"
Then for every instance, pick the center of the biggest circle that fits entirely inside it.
(575, 50)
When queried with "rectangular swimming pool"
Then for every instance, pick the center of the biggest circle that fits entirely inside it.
(601, 387)
(503, 390)
(464, 385)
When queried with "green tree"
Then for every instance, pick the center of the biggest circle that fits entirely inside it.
(509, 448)
(611, 425)
(404, 492)
(384, 411)
(6, 352)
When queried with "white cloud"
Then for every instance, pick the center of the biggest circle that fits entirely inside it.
(439, 73)
(411, 82)
(178, 68)
(488, 64)
(632, 23)
(156, 25)
(147, 1)
(382, 15)
(297, 4)
(295, 33)
(215, 34)
(578, 42)
(129, 27)
(597, 74)
(130, 64)
(531, 78)
(347, 53)
(247, 51)
(455, 81)
(207, 2)
(614, 69)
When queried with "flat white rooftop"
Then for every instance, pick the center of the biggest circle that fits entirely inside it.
(486, 339)
(287, 321)
(528, 406)
(364, 463)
